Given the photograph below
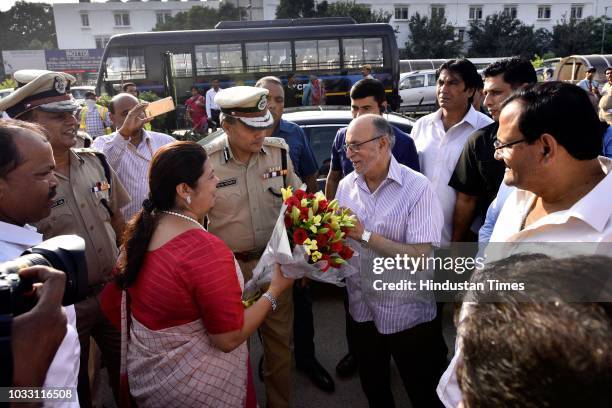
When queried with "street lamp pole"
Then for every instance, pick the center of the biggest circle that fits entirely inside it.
(603, 32)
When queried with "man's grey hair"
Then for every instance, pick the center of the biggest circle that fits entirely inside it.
(261, 81)
(382, 127)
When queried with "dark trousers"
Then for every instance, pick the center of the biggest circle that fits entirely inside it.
(92, 322)
(419, 354)
(214, 117)
(303, 325)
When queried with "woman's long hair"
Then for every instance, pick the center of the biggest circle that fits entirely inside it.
(172, 164)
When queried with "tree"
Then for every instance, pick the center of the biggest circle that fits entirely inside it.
(359, 12)
(199, 17)
(500, 35)
(27, 25)
(571, 36)
(295, 9)
(431, 38)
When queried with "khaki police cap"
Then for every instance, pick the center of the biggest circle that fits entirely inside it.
(246, 103)
(46, 90)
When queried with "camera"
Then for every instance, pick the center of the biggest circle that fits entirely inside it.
(65, 253)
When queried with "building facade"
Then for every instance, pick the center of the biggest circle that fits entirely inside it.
(459, 13)
(90, 25)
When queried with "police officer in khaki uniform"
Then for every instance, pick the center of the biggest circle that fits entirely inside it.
(88, 201)
(252, 169)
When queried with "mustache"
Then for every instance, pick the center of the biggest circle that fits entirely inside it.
(52, 192)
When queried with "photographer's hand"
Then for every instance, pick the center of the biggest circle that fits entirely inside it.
(135, 120)
(37, 334)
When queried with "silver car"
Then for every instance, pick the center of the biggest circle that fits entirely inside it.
(417, 89)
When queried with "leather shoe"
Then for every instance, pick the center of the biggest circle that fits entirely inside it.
(318, 375)
(347, 366)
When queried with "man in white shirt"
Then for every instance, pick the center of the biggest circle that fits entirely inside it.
(440, 136)
(130, 149)
(563, 186)
(212, 109)
(27, 188)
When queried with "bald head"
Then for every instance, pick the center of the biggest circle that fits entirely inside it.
(120, 106)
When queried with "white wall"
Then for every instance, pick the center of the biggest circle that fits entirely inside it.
(71, 34)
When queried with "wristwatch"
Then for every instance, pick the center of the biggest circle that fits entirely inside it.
(271, 299)
(365, 237)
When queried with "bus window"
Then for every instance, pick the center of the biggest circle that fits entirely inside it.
(373, 51)
(280, 55)
(264, 56)
(218, 59)
(230, 57)
(125, 64)
(321, 54)
(181, 65)
(360, 51)
(329, 54)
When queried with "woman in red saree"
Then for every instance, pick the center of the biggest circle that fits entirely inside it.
(183, 323)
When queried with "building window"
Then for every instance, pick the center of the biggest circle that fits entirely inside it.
(101, 41)
(401, 12)
(163, 16)
(510, 11)
(437, 11)
(475, 12)
(122, 19)
(543, 12)
(84, 20)
(576, 12)
(460, 35)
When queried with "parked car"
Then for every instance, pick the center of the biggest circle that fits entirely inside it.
(3, 94)
(321, 125)
(78, 93)
(417, 90)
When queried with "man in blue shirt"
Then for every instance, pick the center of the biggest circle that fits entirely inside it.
(367, 96)
(306, 168)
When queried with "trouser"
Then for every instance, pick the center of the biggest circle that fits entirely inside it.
(303, 325)
(92, 322)
(214, 117)
(276, 332)
(419, 354)
(349, 323)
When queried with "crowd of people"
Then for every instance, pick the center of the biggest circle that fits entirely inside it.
(173, 230)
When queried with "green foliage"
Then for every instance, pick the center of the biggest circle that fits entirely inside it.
(500, 35)
(572, 36)
(8, 83)
(537, 61)
(296, 9)
(199, 18)
(359, 12)
(104, 100)
(27, 26)
(431, 38)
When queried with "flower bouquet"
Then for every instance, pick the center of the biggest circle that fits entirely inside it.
(309, 240)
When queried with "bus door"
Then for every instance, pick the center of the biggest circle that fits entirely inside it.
(177, 79)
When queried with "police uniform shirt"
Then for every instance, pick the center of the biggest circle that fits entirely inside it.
(82, 207)
(246, 209)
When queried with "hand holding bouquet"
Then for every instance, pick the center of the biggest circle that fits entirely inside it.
(309, 240)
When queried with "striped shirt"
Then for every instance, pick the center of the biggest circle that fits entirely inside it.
(405, 209)
(96, 121)
(131, 163)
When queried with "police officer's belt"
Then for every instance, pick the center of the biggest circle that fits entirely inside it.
(247, 256)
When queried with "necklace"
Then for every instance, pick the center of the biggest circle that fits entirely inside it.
(185, 217)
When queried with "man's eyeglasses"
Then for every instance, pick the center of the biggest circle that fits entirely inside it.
(500, 147)
(355, 147)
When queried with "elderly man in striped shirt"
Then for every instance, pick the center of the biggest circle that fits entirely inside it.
(399, 217)
(130, 149)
